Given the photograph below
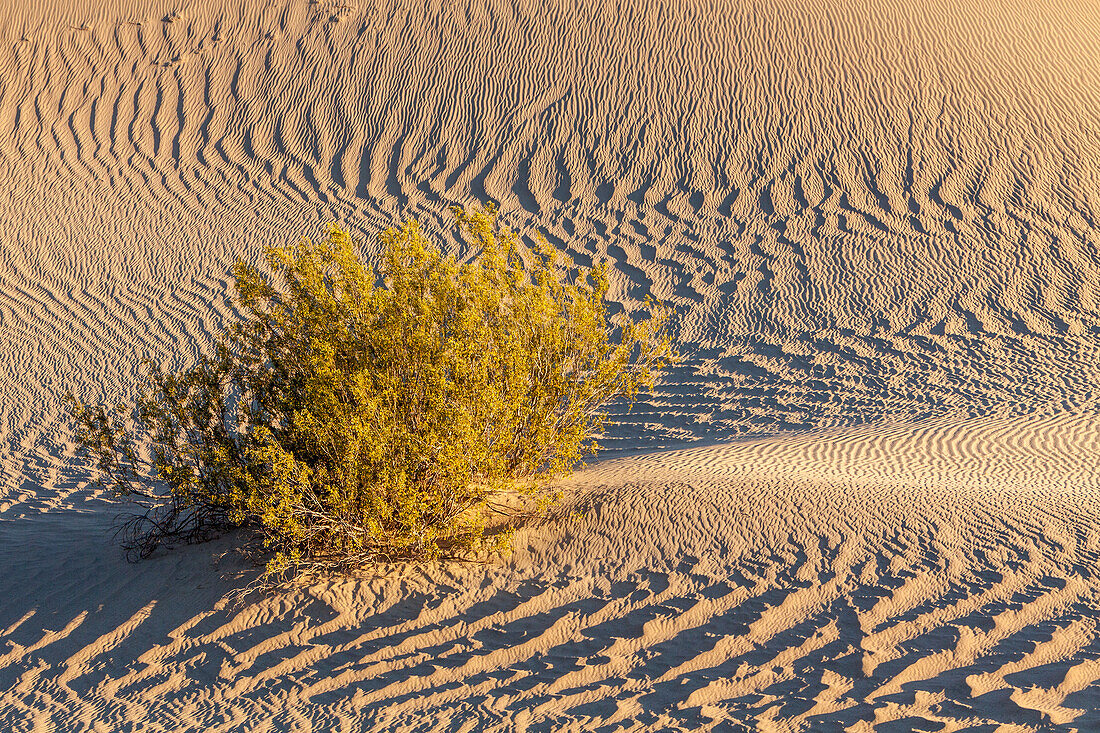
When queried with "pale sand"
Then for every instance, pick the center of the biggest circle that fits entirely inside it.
(878, 223)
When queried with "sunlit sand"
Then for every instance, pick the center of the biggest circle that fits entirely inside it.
(867, 500)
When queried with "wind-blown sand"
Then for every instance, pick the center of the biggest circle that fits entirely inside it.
(878, 223)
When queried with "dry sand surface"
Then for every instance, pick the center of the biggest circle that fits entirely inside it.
(867, 500)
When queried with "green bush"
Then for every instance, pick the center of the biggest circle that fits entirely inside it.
(352, 417)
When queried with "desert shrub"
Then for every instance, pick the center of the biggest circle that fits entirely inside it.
(354, 416)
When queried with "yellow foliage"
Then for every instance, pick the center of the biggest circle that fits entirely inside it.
(357, 416)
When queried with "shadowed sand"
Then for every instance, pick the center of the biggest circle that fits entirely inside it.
(877, 223)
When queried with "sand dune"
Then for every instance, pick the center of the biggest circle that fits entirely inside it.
(869, 578)
(878, 223)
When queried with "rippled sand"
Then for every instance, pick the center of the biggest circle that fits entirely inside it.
(867, 500)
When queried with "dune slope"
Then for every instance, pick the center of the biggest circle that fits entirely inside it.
(878, 225)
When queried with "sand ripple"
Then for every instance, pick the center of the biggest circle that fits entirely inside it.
(824, 583)
(877, 223)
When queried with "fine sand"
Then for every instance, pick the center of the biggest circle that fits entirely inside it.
(869, 498)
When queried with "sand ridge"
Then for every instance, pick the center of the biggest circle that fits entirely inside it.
(877, 223)
(685, 590)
